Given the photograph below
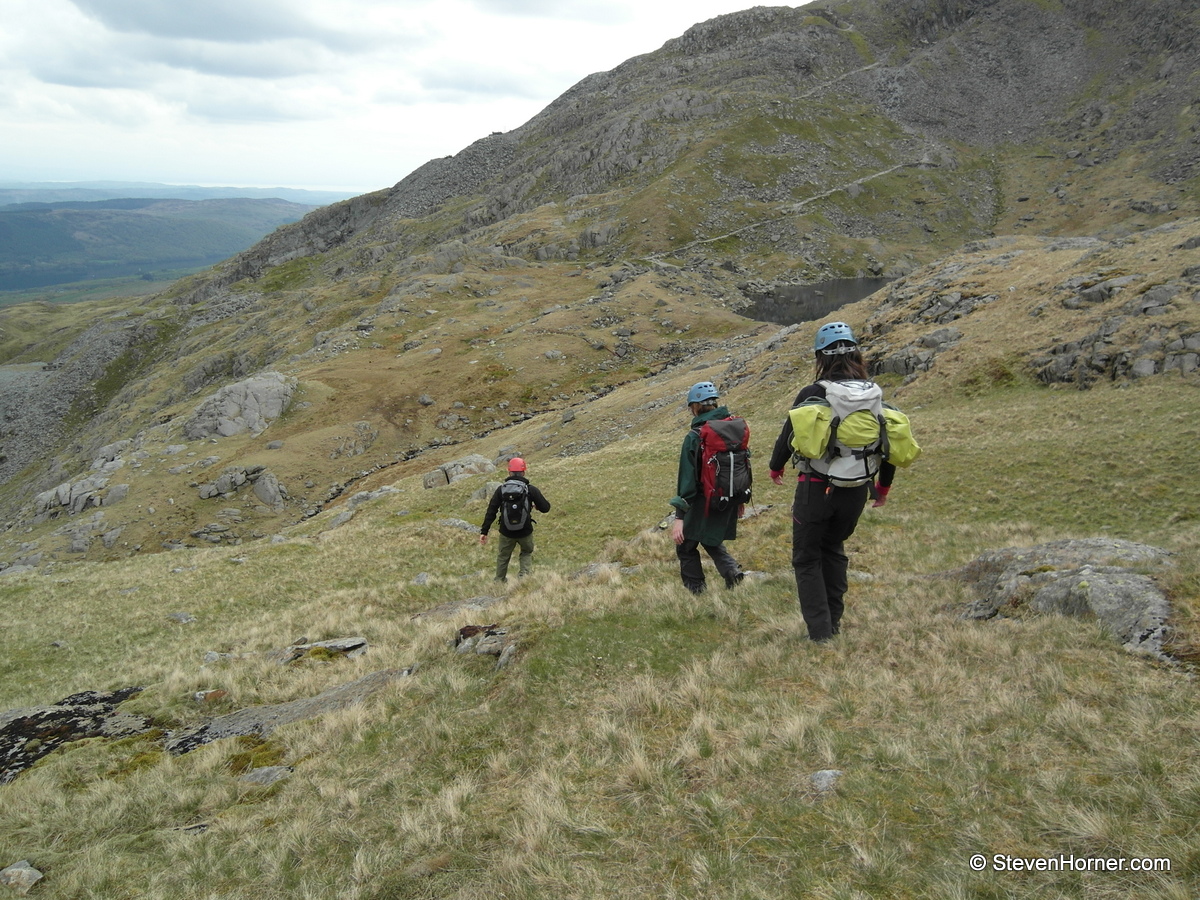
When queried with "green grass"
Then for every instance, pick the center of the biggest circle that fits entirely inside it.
(1103, 461)
(288, 276)
(644, 742)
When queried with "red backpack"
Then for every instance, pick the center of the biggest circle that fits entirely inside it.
(724, 463)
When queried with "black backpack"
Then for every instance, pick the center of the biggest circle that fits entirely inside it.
(514, 505)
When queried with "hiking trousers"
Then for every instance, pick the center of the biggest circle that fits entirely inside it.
(504, 552)
(821, 522)
(692, 572)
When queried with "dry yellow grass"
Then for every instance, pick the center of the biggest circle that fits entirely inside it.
(643, 742)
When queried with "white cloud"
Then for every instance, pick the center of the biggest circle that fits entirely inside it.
(225, 21)
(579, 10)
(320, 93)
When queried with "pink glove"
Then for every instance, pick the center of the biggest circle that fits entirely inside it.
(882, 498)
(777, 477)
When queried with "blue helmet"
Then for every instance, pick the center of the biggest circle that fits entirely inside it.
(701, 391)
(835, 338)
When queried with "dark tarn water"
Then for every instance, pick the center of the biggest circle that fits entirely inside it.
(789, 304)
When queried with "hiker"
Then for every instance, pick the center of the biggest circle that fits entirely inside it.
(824, 514)
(514, 501)
(699, 523)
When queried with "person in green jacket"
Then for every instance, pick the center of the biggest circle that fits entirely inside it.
(694, 527)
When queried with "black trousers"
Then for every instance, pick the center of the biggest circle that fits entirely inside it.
(822, 520)
(692, 572)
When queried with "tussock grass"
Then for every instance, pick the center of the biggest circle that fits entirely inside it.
(643, 742)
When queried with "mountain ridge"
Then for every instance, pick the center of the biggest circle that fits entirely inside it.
(597, 169)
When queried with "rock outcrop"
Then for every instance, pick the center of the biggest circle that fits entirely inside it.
(26, 735)
(448, 473)
(262, 720)
(266, 486)
(249, 405)
(1093, 577)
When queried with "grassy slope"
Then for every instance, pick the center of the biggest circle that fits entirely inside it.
(644, 743)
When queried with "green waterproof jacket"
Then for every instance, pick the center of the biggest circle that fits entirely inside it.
(689, 499)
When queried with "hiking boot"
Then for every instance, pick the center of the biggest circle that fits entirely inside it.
(732, 581)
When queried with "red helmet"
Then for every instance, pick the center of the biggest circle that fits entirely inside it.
(516, 464)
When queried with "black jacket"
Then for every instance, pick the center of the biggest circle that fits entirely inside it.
(540, 503)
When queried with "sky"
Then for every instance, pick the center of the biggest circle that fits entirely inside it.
(348, 95)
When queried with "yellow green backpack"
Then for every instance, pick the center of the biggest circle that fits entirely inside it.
(848, 433)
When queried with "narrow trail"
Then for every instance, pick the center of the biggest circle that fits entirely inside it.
(786, 209)
(832, 81)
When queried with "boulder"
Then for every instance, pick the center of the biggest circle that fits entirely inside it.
(20, 877)
(452, 608)
(350, 508)
(268, 489)
(265, 776)
(111, 452)
(1089, 577)
(458, 469)
(77, 496)
(1130, 605)
(487, 640)
(485, 492)
(825, 780)
(351, 648)
(233, 477)
(248, 406)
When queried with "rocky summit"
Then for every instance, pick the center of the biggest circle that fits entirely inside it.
(1000, 161)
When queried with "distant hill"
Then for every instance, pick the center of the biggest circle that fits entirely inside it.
(68, 191)
(47, 243)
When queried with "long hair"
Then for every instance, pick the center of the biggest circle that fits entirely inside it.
(842, 367)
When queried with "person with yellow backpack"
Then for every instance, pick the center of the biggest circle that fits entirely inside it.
(846, 443)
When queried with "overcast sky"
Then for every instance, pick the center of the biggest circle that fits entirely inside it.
(326, 94)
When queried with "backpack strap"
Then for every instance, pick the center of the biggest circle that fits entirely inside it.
(831, 453)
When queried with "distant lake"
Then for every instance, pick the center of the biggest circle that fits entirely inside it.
(788, 304)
